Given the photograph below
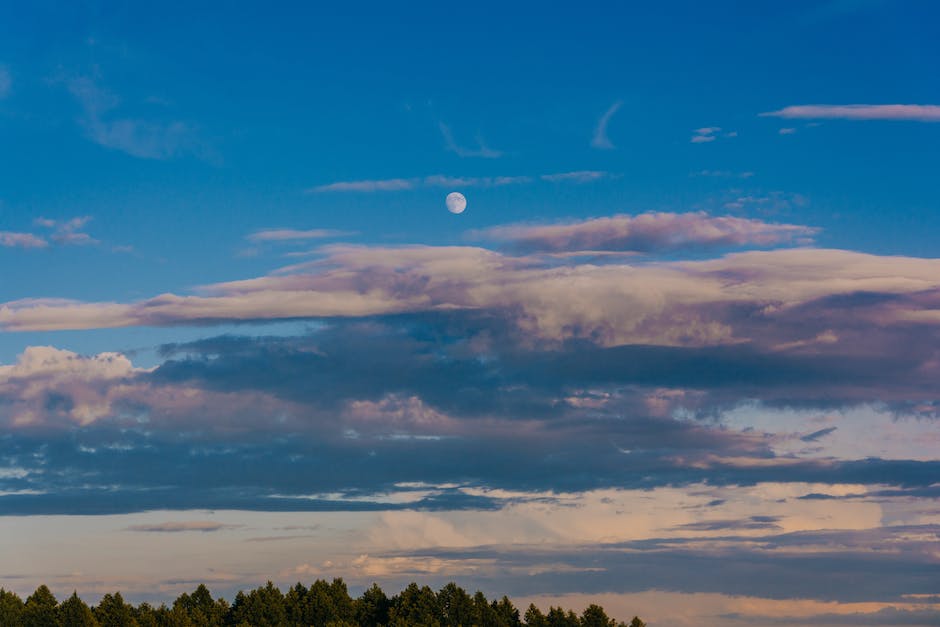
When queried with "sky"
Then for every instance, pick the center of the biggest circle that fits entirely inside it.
(679, 355)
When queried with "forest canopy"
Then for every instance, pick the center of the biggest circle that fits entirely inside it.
(326, 604)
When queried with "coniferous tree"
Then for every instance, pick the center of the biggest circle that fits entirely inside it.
(557, 617)
(507, 613)
(484, 615)
(40, 609)
(415, 606)
(148, 616)
(323, 605)
(294, 604)
(200, 608)
(11, 608)
(534, 617)
(456, 606)
(595, 616)
(371, 609)
(262, 607)
(73, 612)
(112, 611)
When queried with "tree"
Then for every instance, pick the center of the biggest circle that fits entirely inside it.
(595, 616)
(557, 617)
(483, 613)
(534, 617)
(74, 612)
(636, 622)
(506, 612)
(39, 610)
(112, 611)
(200, 608)
(11, 608)
(456, 606)
(262, 607)
(371, 609)
(415, 606)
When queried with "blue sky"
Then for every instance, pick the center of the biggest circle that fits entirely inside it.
(697, 272)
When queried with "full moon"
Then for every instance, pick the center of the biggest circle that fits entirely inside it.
(456, 202)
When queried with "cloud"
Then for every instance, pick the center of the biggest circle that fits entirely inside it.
(482, 150)
(648, 232)
(142, 138)
(382, 185)
(578, 176)
(204, 526)
(282, 235)
(709, 134)
(723, 174)
(916, 113)
(67, 232)
(600, 140)
(5, 82)
(12, 239)
(444, 181)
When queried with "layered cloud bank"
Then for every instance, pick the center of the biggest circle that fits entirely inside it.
(660, 406)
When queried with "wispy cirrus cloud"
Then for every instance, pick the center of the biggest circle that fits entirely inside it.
(441, 180)
(138, 137)
(6, 82)
(376, 185)
(600, 139)
(909, 112)
(648, 232)
(482, 150)
(577, 176)
(289, 235)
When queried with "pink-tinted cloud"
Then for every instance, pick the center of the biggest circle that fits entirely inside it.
(284, 235)
(649, 232)
(11, 239)
(916, 113)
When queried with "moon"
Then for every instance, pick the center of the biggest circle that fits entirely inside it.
(456, 202)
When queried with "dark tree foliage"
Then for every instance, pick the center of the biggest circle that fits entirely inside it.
(372, 608)
(75, 613)
(11, 608)
(40, 609)
(112, 611)
(323, 604)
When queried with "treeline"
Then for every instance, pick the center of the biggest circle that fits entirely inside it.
(322, 605)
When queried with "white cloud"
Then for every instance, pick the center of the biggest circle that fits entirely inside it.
(600, 139)
(916, 113)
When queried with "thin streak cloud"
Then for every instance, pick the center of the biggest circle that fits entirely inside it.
(910, 112)
(482, 150)
(601, 140)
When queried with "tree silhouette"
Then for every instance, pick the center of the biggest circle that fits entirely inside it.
(321, 605)
(40, 609)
